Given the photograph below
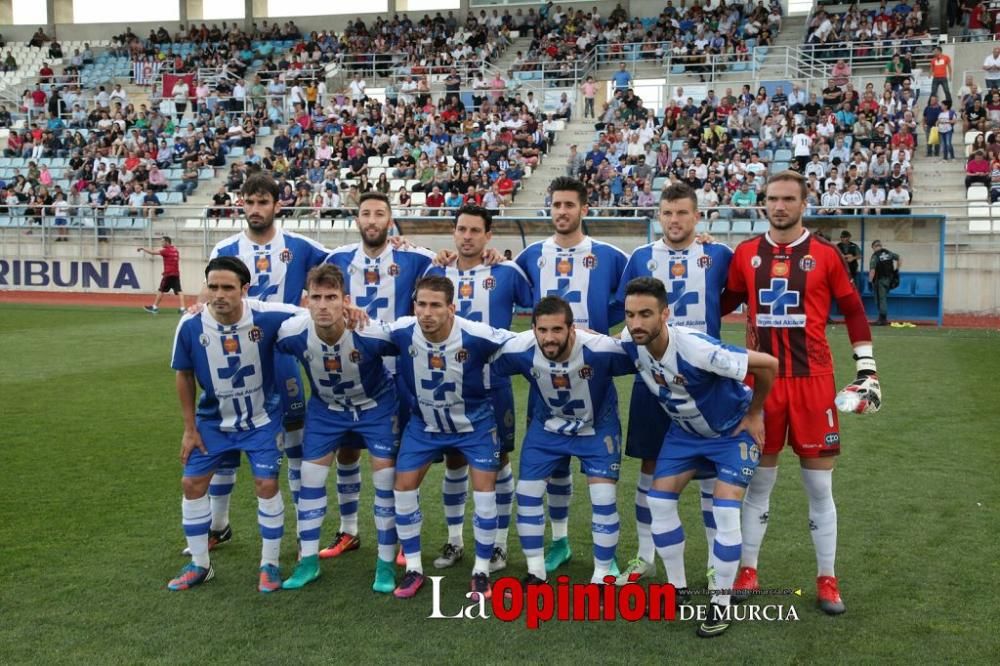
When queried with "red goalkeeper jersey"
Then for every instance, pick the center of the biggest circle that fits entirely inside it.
(789, 289)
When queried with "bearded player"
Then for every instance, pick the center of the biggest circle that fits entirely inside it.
(788, 277)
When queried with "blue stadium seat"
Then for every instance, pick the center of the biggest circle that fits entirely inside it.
(174, 198)
(677, 69)
(742, 227)
(701, 227)
(905, 288)
(782, 155)
(719, 227)
(760, 226)
(925, 286)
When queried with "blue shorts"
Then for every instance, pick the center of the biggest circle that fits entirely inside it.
(544, 452)
(327, 429)
(481, 447)
(260, 445)
(733, 459)
(288, 384)
(647, 423)
(355, 441)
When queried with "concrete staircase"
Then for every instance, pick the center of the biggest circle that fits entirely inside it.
(534, 188)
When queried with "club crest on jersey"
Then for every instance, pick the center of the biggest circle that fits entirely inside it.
(285, 256)
(779, 269)
(705, 262)
(755, 262)
(436, 362)
(586, 372)
(230, 345)
(393, 270)
(807, 263)
(355, 357)
(371, 276)
(489, 283)
(255, 334)
(651, 265)
(541, 262)
(560, 381)
(680, 380)
(564, 266)
(659, 378)
(263, 264)
(413, 351)
(331, 363)
(536, 373)
(462, 356)
(203, 340)
(466, 289)
(590, 262)
(678, 269)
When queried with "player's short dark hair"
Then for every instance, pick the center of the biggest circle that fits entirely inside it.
(167, 238)
(792, 177)
(325, 275)
(647, 286)
(260, 183)
(375, 196)
(552, 305)
(437, 283)
(476, 211)
(569, 184)
(679, 191)
(231, 264)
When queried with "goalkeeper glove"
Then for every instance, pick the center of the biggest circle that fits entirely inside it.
(863, 395)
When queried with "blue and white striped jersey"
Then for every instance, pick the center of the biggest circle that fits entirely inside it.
(346, 376)
(573, 397)
(382, 285)
(694, 279)
(698, 382)
(445, 379)
(277, 269)
(234, 364)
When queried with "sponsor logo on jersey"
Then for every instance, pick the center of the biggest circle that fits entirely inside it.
(285, 256)
(393, 270)
(230, 345)
(437, 362)
(779, 269)
(355, 356)
(489, 283)
(659, 378)
(564, 266)
(560, 381)
(755, 262)
(704, 261)
(586, 372)
(807, 263)
(678, 269)
(331, 363)
(462, 355)
(832, 439)
(203, 340)
(371, 276)
(590, 262)
(263, 263)
(466, 289)
(256, 334)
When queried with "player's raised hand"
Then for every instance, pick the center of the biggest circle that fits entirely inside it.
(753, 424)
(492, 256)
(189, 442)
(355, 317)
(445, 257)
(704, 237)
(399, 242)
(195, 308)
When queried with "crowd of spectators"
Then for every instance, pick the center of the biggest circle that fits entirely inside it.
(870, 32)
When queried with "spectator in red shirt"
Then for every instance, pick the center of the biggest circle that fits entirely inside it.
(434, 201)
(977, 170)
(505, 186)
(45, 74)
(903, 139)
(171, 280)
(38, 97)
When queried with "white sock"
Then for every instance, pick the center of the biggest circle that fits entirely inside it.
(196, 518)
(484, 527)
(293, 452)
(271, 520)
(604, 527)
(726, 549)
(311, 506)
(385, 513)
(707, 514)
(643, 520)
(505, 500)
(668, 534)
(220, 491)
(454, 493)
(408, 523)
(756, 505)
(531, 525)
(348, 492)
(560, 491)
(822, 517)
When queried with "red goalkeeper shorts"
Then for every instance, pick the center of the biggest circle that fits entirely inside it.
(800, 411)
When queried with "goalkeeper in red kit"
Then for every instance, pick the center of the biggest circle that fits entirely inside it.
(788, 278)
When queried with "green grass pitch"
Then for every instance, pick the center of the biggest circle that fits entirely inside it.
(90, 533)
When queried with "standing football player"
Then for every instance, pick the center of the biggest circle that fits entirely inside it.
(789, 277)
(716, 420)
(352, 393)
(695, 277)
(485, 294)
(380, 278)
(442, 362)
(574, 414)
(585, 273)
(229, 349)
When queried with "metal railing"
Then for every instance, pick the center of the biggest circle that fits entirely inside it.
(873, 53)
